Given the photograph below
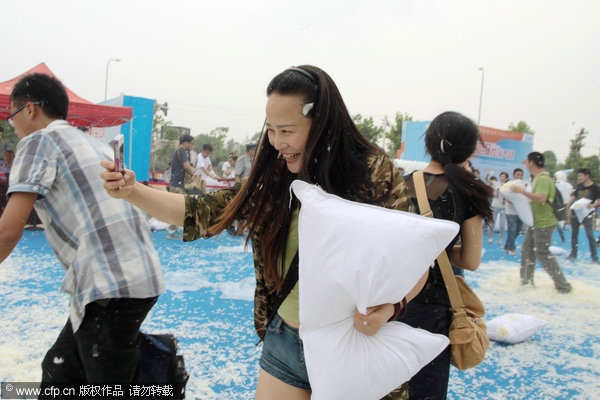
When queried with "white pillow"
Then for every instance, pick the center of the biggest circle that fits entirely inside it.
(580, 207)
(557, 251)
(521, 202)
(354, 256)
(514, 328)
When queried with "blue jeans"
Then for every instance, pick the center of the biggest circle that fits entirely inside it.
(588, 225)
(498, 217)
(283, 354)
(514, 227)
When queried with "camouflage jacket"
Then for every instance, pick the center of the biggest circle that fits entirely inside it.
(203, 212)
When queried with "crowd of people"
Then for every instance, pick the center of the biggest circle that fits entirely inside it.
(96, 224)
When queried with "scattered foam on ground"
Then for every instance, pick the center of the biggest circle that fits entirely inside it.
(207, 279)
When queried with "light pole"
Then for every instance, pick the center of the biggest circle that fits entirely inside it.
(480, 94)
(106, 81)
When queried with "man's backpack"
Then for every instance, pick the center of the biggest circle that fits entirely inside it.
(559, 206)
(161, 365)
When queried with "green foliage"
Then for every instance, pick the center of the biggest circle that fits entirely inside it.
(394, 132)
(550, 163)
(163, 156)
(170, 133)
(368, 128)
(216, 138)
(522, 127)
(159, 123)
(9, 138)
(575, 160)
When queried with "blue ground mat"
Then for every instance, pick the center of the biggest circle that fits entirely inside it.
(208, 305)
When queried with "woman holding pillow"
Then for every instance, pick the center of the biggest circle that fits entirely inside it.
(454, 194)
(308, 135)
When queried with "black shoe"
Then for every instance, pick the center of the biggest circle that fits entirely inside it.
(595, 261)
(572, 257)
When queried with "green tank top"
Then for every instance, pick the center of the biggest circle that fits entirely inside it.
(289, 308)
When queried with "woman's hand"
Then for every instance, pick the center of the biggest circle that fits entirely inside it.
(117, 184)
(376, 316)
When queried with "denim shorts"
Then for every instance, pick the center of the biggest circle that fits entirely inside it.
(283, 354)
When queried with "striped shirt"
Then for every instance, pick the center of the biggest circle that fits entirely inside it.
(104, 244)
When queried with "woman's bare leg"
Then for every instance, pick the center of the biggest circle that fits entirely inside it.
(271, 388)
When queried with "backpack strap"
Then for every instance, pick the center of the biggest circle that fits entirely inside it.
(288, 284)
(443, 260)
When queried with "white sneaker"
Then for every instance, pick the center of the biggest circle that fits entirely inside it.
(512, 252)
(490, 241)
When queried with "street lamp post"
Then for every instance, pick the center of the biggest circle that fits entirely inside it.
(480, 95)
(106, 81)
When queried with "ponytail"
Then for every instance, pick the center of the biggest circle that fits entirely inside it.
(472, 188)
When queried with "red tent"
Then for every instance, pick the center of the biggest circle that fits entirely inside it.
(81, 111)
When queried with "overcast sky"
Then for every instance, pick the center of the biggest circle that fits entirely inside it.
(212, 60)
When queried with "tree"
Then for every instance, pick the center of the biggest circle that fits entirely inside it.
(394, 133)
(574, 157)
(550, 163)
(368, 128)
(575, 160)
(216, 138)
(9, 138)
(522, 127)
(593, 164)
(163, 154)
(159, 122)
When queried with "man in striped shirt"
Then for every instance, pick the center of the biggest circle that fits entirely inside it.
(113, 274)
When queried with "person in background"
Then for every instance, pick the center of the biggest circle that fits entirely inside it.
(586, 188)
(559, 226)
(538, 238)
(244, 163)
(5, 166)
(180, 166)
(308, 135)
(513, 222)
(113, 274)
(457, 195)
(497, 207)
(227, 168)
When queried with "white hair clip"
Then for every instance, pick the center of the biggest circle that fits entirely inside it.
(442, 144)
(306, 108)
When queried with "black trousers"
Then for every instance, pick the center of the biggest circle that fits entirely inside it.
(105, 348)
(431, 382)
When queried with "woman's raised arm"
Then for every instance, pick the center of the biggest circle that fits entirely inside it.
(165, 206)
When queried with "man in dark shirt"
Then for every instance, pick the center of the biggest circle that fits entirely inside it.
(180, 164)
(586, 188)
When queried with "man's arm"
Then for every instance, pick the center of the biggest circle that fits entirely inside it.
(188, 168)
(13, 221)
(537, 197)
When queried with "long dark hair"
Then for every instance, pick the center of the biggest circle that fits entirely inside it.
(335, 158)
(452, 138)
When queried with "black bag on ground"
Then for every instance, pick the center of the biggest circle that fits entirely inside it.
(161, 365)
